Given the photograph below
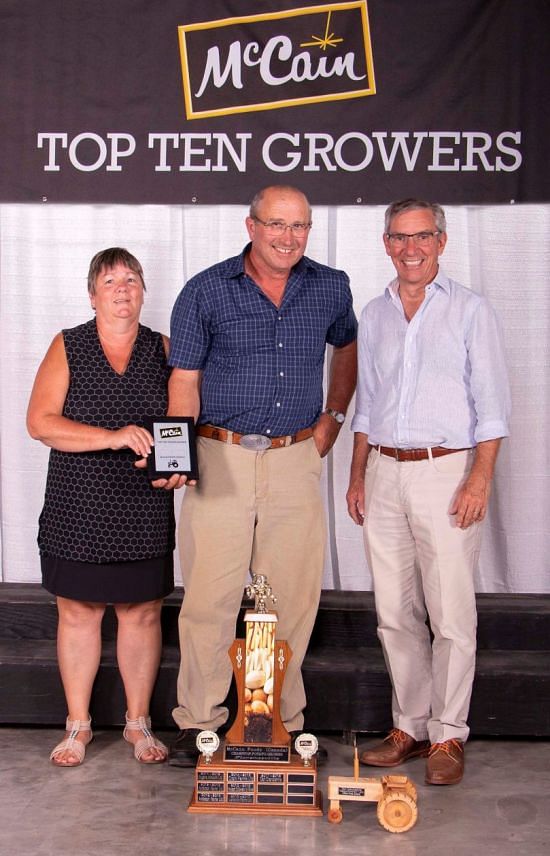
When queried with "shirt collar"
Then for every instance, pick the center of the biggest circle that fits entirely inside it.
(441, 280)
(234, 267)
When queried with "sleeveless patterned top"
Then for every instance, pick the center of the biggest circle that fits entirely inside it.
(98, 507)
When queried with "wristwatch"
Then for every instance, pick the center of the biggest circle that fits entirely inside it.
(336, 414)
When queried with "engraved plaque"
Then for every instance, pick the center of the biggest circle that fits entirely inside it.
(272, 777)
(175, 448)
(351, 792)
(210, 798)
(209, 776)
(254, 754)
(240, 777)
(244, 799)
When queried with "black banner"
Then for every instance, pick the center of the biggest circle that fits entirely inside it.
(356, 102)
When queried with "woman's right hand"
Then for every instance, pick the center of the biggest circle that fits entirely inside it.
(133, 437)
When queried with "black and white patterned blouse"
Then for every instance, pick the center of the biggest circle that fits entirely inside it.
(98, 507)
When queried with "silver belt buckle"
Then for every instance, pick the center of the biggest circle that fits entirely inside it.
(255, 442)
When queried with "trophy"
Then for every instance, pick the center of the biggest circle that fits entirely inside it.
(256, 772)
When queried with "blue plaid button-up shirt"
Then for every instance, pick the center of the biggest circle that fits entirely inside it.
(262, 365)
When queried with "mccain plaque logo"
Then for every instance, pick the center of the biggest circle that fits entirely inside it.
(274, 60)
(172, 431)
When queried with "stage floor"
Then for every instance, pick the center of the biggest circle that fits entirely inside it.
(113, 806)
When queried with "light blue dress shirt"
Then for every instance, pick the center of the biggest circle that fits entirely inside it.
(437, 380)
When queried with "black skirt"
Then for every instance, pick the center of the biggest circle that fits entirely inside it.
(115, 582)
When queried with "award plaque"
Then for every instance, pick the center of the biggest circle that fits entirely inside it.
(256, 771)
(175, 449)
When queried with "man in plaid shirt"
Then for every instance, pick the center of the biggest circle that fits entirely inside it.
(248, 339)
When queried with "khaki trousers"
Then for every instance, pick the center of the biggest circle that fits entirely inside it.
(259, 511)
(421, 561)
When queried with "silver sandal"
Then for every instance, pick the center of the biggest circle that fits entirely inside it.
(74, 726)
(148, 741)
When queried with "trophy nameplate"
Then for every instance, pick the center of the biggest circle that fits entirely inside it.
(175, 447)
(256, 771)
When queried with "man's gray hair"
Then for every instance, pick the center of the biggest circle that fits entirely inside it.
(414, 205)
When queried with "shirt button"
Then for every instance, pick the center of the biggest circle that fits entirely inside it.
(280, 344)
(282, 374)
(268, 431)
(278, 404)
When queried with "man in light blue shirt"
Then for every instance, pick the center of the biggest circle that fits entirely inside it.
(432, 406)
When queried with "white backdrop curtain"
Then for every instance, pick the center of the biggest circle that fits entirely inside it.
(502, 252)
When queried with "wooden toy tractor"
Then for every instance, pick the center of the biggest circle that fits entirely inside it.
(396, 797)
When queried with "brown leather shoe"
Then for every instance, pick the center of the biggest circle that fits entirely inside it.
(445, 764)
(394, 749)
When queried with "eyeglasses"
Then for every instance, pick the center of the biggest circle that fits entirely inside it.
(279, 227)
(421, 239)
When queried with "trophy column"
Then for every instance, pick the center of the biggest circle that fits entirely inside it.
(256, 772)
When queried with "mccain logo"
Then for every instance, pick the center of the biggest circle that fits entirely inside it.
(173, 431)
(280, 59)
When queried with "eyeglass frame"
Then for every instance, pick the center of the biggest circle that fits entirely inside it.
(394, 236)
(268, 225)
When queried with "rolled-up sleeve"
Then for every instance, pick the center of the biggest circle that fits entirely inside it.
(363, 395)
(489, 384)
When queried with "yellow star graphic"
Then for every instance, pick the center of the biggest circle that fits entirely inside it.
(328, 40)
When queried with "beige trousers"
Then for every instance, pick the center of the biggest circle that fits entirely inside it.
(259, 511)
(421, 561)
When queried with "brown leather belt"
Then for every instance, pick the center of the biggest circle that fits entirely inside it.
(416, 454)
(225, 436)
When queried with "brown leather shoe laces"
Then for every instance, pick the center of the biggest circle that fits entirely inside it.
(446, 747)
(396, 736)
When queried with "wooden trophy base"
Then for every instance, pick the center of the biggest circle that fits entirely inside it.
(240, 787)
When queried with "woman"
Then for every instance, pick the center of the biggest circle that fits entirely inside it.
(105, 534)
